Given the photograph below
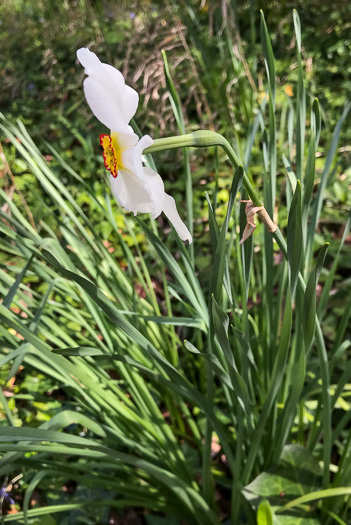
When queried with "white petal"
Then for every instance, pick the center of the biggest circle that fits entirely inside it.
(143, 143)
(124, 141)
(170, 210)
(139, 195)
(156, 187)
(132, 158)
(129, 191)
(111, 101)
(131, 103)
(88, 59)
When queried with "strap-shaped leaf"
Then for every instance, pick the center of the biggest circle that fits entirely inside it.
(264, 513)
(220, 257)
(309, 307)
(301, 101)
(268, 55)
(294, 239)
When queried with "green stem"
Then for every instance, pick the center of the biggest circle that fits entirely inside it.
(205, 139)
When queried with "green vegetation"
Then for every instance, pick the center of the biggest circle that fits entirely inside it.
(141, 378)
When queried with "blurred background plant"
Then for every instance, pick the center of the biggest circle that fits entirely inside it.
(99, 364)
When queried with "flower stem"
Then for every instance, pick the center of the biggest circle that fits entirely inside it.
(204, 139)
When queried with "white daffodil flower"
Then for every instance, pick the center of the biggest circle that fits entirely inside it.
(137, 188)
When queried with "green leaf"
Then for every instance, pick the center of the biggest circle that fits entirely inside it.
(297, 26)
(317, 207)
(294, 519)
(86, 447)
(323, 301)
(246, 248)
(268, 55)
(276, 380)
(290, 172)
(174, 97)
(319, 494)
(194, 322)
(296, 473)
(311, 158)
(309, 306)
(297, 379)
(270, 183)
(220, 257)
(213, 362)
(214, 229)
(301, 101)
(221, 324)
(295, 239)
(316, 121)
(264, 513)
(13, 290)
(172, 266)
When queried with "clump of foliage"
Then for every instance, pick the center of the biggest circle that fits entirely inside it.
(197, 387)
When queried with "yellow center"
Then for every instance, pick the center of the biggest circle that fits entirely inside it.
(110, 155)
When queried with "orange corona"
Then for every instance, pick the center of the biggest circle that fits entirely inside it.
(109, 154)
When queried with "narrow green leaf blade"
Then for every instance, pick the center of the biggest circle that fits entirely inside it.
(295, 239)
(309, 307)
(218, 268)
(268, 55)
(264, 513)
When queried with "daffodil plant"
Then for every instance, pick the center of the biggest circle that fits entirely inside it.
(138, 188)
(236, 423)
